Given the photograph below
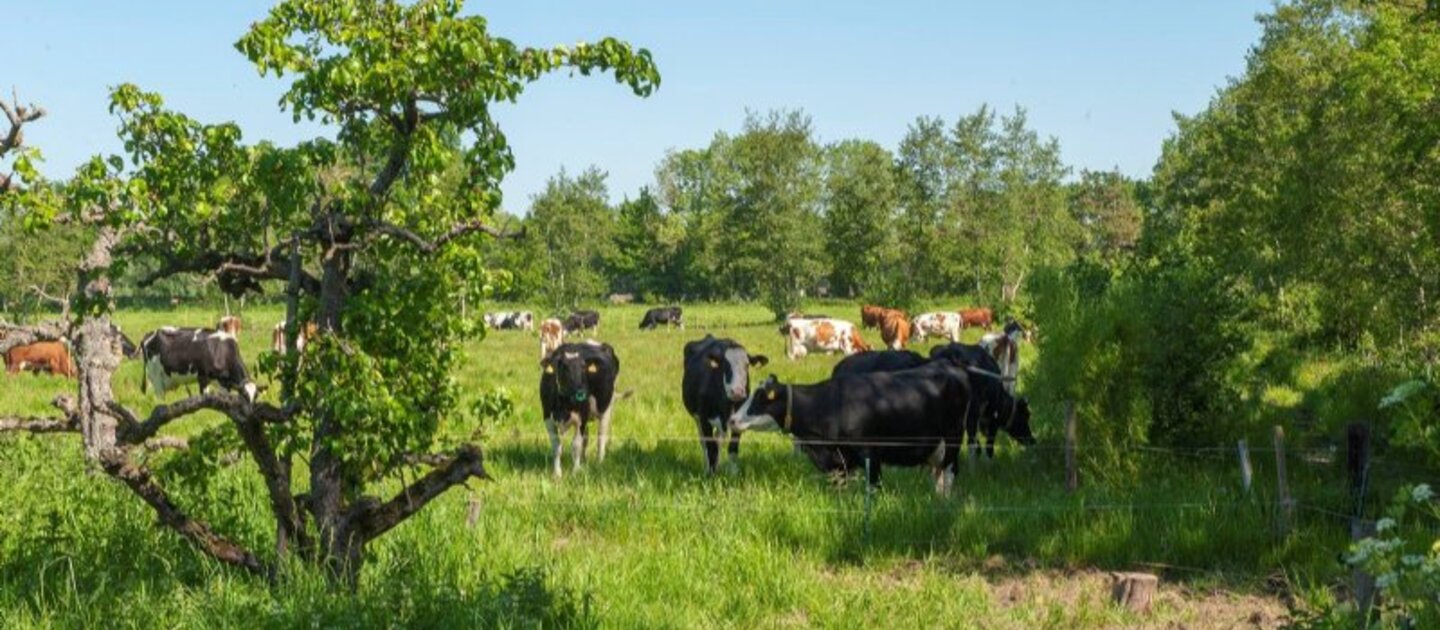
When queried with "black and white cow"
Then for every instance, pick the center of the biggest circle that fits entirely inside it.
(577, 384)
(582, 320)
(1000, 407)
(510, 320)
(175, 356)
(716, 381)
(665, 315)
(908, 418)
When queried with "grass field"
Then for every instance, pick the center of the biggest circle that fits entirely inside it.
(647, 540)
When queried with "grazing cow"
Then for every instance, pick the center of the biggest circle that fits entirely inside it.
(582, 320)
(510, 320)
(174, 356)
(552, 334)
(872, 315)
(716, 381)
(825, 335)
(577, 383)
(940, 324)
(907, 418)
(41, 356)
(982, 317)
(1005, 347)
(277, 337)
(1002, 408)
(666, 315)
(895, 330)
(230, 324)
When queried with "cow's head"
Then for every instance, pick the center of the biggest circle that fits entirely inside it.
(1016, 332)
(730, 367)
(1019, 425)
(766, 408)
(251, 391)
(571, 371)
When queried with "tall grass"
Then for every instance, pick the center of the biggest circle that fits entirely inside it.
(645, 539)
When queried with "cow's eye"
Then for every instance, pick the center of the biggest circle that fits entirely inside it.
(714, 363)
(549, 369)
(770, 395)
(592, 369)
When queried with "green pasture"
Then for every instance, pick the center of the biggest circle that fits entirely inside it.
(646, 539)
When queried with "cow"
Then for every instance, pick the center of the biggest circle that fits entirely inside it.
(552, 334)
(128, 349)
(582, 320)
(895, 330)
(174, 356)
(41, 356)
(666, 315)
(716, 381)
(1005, 347)
(577, 384)
(827, 335)
(938, 324)
(982, 317)
(872, 315)
(1003, 409)
(908, 418)
(308, 330)
(510, 320)
(230, 324)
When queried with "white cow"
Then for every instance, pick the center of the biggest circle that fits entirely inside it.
(939, 324)
(552, 334)
(1005, 347)
(803, 336)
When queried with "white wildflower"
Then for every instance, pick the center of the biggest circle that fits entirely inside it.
(1412, 560)
(1387, 580)
(1384, 524)
(1422, 493)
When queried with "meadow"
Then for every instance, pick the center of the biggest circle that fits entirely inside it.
(646, 539)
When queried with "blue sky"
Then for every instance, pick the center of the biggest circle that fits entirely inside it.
(1101, 76)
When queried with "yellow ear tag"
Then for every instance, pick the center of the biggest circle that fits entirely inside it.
(592, 369)
(770, 395)
(714, 363)
(549, 369)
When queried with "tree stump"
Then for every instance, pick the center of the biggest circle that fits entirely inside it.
(1134, 591)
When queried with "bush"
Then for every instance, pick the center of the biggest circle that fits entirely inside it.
(1404, 557)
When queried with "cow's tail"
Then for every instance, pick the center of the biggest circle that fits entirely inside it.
(145, 361)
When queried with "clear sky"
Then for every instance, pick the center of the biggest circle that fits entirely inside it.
(1102, 76)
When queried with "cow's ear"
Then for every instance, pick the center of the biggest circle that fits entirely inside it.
(759, 360)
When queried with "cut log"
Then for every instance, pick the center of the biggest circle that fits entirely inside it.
(1134, 591)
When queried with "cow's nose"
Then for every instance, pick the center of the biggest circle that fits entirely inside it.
(737, 395)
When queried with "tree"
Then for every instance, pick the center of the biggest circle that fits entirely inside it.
(1106, 208)
(574, 230)
(649, 259)
(860, 213)
(359, 233)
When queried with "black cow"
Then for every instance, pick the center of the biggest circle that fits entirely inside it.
(906, 418)
(880, 361)
(174, 356)
(577, 383)
(667, 315)
(716, 381)
(582, 320)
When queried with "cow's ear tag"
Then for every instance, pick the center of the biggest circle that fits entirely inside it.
(549, 369)
(714, 363)
(592, 369)
(770, 395)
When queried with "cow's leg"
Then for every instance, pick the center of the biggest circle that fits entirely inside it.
(577, 443)
(554, 431)
(733, 461)
(605, 430)
(709, 445)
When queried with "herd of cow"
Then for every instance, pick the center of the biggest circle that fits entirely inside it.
(890, 407)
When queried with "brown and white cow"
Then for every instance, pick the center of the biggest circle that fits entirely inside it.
(938, 324)
(895, 330)
(41, 356)
(277, 337)
(803, 336)
(1005, 347)
(552, 334)
(982, 317)
(231, 324)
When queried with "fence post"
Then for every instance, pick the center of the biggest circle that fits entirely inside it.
(869, 494)
(1362, 582)
(1287, 506)
(1072, 471)
(1357, 462)
(1246, 473)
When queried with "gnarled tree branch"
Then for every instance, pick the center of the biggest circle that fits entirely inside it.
(33, 424)
(459, 230)
(373, 519)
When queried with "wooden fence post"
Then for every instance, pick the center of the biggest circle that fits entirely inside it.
(1362, 582)
(1246, 473)
(1072, 471)
(1357, 462)
(1287, 506)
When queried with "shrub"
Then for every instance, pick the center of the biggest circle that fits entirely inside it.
(1404, 557)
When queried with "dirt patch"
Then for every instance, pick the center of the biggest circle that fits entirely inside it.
(1082, 597)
